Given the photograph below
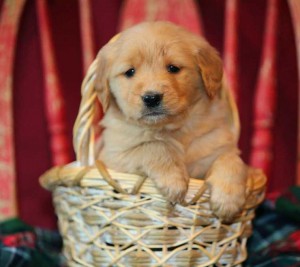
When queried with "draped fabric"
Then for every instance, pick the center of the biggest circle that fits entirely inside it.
(9, 21)
(31, 136)
(295, 11)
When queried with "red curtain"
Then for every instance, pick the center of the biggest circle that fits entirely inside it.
(31, 134)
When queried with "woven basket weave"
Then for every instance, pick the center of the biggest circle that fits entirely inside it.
(108, 218)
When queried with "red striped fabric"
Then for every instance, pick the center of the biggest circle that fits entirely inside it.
(265, 96)
(87, 34)
(182, 12)
(54, 102)
(9, 21)
(295, 12)
(231, 45)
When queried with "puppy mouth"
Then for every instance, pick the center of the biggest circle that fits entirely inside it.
(154, 115)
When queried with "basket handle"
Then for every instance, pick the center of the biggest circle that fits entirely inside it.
(83, 131)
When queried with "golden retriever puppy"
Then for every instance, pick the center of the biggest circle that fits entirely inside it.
(160, 87)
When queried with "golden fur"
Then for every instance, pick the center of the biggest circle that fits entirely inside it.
(188, 135)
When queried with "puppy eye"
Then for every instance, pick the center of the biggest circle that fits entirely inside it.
(173, 69)
(130, 73)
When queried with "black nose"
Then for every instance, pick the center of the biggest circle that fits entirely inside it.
(152, 100)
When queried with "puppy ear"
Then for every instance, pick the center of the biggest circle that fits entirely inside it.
(211, 67)
(102, 85)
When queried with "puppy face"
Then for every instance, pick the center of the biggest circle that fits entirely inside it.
(155, 71)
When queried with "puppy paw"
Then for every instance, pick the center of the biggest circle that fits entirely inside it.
(174, 188)
(226, 202)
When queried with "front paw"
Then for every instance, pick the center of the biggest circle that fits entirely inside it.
(227, 201)
(174, 188)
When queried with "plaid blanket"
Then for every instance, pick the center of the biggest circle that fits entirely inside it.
(22, 245)
(275, 241)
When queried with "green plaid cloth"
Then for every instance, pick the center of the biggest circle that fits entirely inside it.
(22, 245)
(276, 237)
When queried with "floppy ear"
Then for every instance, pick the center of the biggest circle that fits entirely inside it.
(102, 85)
(211, 67)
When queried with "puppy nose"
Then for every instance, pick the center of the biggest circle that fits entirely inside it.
(152, 100)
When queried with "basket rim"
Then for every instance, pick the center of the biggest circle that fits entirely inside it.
(75, 175)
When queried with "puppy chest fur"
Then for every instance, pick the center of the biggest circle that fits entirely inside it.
(195, 139)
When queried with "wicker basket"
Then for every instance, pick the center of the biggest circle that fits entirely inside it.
(108, 218)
